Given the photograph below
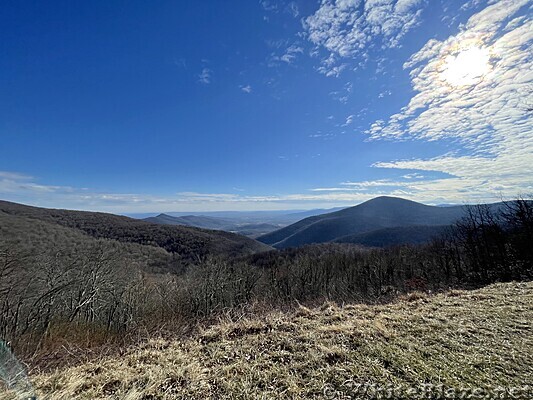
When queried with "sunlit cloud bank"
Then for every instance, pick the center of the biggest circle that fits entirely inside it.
(473, 89)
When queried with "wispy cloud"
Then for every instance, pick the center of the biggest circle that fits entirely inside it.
(6, 175)
(362, 186)
(291, 53)
(16, 183)
(346, 29)
(293, 9)
(205, 76)
(269, 5)
(343, 95)
(246, 89)
(288, 56)
(349, 120)
(322, 135)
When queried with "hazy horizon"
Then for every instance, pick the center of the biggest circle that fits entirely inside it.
(237, 209)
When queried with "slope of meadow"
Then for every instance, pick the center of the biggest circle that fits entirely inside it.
(473, 339)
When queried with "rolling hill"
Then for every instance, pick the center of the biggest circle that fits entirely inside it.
(186, 242)
(376, 215)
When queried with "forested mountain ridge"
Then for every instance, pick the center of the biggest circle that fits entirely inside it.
(375, 215)
(188, 242)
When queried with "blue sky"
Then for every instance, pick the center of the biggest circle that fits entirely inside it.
(135, 106)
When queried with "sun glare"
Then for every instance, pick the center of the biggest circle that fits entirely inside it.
(468, 67)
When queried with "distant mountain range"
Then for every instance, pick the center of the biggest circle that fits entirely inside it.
(272, 216)
(247, 223)
(382, 221)
(229, 225)
(198, 221)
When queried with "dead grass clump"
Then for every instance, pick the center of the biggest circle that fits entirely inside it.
(414, 296)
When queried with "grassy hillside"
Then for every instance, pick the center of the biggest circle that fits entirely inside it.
(472, 339)
(188, 242)
(375, 214)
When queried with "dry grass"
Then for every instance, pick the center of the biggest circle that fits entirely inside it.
(461, 338)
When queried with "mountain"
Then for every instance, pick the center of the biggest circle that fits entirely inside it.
(376, 214)
(275, 217)
(247, 223)
(183, 241)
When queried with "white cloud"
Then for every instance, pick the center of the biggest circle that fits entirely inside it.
(348, 28)
(291, 53)
(414, 175)
(334, 71)
(16, 183)
(485, 114)
(319, 134)
(205, 76)
(349, 120)
(289, 56)
(362, 186)
(246, 89)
